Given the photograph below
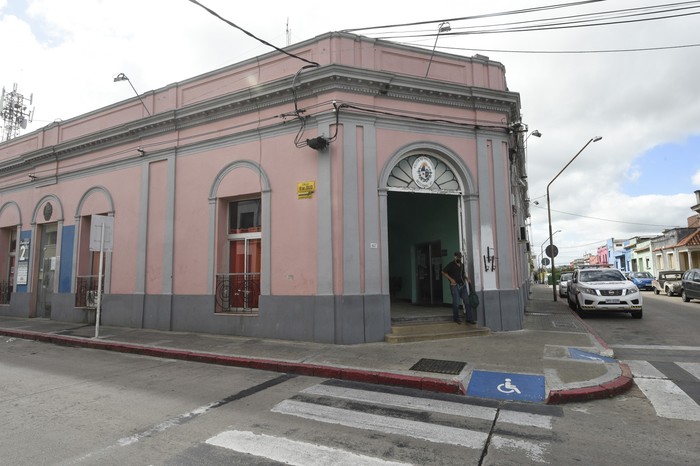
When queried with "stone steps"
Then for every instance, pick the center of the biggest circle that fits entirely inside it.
(411, 331)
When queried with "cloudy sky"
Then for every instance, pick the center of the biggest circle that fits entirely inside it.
(633, 82)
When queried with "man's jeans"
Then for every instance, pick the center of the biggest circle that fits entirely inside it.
(461, 293)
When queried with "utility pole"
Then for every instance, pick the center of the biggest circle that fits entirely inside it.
(14, 113)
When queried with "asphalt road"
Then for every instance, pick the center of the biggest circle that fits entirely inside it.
(76, 406)
(662, 350)
(667, 321)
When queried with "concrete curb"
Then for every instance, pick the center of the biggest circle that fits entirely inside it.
(330, 372)
(610, 389)
(615, 387)
(607, 351)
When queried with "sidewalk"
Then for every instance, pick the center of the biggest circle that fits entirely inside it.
(543, 349)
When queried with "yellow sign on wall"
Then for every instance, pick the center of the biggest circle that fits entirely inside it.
(305, 189)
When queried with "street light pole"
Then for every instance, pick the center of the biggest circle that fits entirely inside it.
(549, 212)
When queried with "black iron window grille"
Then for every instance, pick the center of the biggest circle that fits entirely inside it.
(237, 293)
(5, 292)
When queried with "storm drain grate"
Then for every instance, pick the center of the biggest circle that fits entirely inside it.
(439, 366)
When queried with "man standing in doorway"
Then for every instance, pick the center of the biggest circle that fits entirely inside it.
(459, 287)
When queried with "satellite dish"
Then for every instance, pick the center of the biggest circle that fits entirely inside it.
(23, 123)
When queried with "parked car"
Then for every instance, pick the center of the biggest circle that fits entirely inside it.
(641, 279)
(668, 281)
(690, 285)
(603, 290)
(564, 283)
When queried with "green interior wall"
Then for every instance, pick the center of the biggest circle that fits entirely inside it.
(413, 219)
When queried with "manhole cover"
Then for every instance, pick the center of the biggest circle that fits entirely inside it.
(439, 366)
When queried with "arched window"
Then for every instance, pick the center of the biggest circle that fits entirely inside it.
(421, 172)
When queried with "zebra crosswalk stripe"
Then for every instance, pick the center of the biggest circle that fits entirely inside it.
(665, 396)
(692, 368)
(403, 401)
(291, 451)
(668, 400)
(388, 425)
(436, 406)
(644, 370)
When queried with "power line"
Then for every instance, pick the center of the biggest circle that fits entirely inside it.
(643, 49)
(214, 13)
(609, 220)
(555, 23)
(488, 15)
(595, 16)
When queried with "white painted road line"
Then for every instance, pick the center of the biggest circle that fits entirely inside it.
(437, 406)
(388, 425)
(668, 400)
(402, 401)
(535, 451)
(644, 369)
(659, 347)
(291, 451)
(692, 367)
(525, 419)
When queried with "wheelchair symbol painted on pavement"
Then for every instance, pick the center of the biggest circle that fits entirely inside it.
(508, 387)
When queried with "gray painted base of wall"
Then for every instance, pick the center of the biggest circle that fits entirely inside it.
(325, 319)
(63, 310)
(18, 307)
(502, 310)
(344, 320)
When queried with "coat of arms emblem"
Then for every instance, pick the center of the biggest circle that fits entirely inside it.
(423, 172)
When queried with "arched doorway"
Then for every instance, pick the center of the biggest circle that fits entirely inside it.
(425, 226)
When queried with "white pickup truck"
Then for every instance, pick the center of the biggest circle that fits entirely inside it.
(603, 290)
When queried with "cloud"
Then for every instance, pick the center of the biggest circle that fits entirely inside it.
(696, 179)
(635, 100)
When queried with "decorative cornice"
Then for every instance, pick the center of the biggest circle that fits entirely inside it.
(275, 94)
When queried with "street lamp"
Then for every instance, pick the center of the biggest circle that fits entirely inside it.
(122, 77)
(549, 212)
(535, 133)
(442, 27)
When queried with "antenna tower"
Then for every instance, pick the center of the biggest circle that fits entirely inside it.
(289, 34)
(14, 113)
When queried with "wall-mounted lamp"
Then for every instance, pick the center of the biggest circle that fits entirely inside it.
(123, 77)
(442, 27)
(489, 260)
(318, 143)
(535, 133)
(32, 176)
(141, 151)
